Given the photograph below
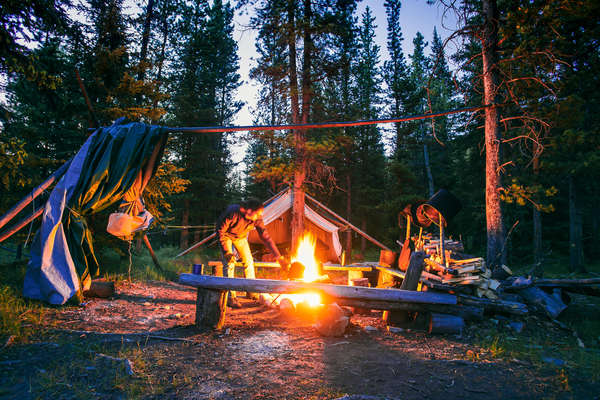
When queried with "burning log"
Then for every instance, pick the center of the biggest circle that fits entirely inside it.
(287, 307)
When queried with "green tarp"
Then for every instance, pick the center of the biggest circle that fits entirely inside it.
(114, 164)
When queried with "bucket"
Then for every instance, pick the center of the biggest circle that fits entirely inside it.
(441, 203)
(197, 269)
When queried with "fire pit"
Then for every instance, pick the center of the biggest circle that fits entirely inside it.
(304, 268)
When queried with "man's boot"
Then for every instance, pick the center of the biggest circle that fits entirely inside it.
(252, 296)
(233, 302)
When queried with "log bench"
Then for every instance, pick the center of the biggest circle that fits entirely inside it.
(212, 296)
(353, 271)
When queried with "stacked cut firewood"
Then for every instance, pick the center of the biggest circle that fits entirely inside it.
(456, 271)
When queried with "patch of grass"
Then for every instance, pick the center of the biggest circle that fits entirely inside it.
(541, 344)
(115, 267)
(19, 317)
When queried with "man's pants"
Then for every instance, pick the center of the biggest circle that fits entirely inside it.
(243, 249)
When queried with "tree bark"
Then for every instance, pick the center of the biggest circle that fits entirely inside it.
(363, 241)
(348, 216)
(575, 230)
(145, 39)
(428, 169)
(493, 155)
(537, 228)
(297, 223)
(185, 219)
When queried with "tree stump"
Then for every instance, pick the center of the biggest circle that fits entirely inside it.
(211, 306)
(102, 289)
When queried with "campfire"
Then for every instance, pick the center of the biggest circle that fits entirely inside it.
(305, 268)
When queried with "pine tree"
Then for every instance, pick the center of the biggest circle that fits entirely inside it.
(401, 182)
(310, 25)
(205, 80)
(369, 159)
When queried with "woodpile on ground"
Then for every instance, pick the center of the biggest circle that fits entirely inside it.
(466, 274)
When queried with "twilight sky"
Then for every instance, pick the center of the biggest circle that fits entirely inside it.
(415, 16)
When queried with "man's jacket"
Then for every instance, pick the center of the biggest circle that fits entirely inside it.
(232, 225)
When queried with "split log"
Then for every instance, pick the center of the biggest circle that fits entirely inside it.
(410, 282)
(444, 323)
(499, 306)
(469, 313)
(364, 282)
(211, 306)
(336, 291)
(536, 297)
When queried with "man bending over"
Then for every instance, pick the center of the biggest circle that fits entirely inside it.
(233, 227)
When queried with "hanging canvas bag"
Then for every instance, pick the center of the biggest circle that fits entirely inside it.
(125, 223)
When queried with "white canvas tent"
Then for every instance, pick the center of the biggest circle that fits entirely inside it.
(277, 217)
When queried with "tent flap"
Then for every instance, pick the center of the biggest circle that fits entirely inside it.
(276, 217)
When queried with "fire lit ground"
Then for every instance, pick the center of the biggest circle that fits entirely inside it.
(264, 355)
(142, 343)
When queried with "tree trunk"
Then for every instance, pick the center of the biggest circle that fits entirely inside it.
(299, 135)
(145, 40)
(185, 218)
(428, 169)
(537, 228)
(363, 241)
(348, 216)
(493, 155)
(575, 230)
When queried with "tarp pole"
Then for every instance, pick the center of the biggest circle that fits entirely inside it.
(200, 243)
(21, 224)
(10, 214)
(154, 258)
(363, 234)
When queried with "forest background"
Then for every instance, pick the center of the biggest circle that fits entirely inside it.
(176, 63)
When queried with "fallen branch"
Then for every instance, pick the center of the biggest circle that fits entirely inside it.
(138, 334)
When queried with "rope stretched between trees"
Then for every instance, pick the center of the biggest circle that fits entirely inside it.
(342, 124)
(213, 129)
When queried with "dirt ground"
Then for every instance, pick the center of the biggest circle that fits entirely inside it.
(259, 355)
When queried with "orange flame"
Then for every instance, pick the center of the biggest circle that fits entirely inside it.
(306, 255)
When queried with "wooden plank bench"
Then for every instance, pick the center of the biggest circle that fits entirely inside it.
(212, 296)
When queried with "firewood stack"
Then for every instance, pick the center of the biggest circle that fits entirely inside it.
(459, 272)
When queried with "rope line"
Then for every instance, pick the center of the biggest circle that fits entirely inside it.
(213, 129)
